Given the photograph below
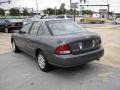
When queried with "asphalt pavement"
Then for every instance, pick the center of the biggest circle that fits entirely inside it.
(19, 71)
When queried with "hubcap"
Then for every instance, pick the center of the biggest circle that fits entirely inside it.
(13, 46)
(41, 61)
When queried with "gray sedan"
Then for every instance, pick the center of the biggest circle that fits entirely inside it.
(56, 42)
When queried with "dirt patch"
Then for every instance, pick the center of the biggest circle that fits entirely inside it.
(5, 44)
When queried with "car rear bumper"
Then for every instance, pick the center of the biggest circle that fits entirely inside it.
(14, 28)
(71, 60)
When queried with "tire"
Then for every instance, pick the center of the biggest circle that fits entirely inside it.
(43, 62)
(102, 22)
(14, 47)
(6, 30)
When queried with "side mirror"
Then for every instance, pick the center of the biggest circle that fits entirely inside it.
(22, 32)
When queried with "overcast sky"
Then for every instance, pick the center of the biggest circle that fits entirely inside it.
(114, 4)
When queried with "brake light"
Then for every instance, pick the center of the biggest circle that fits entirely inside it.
(62, 49)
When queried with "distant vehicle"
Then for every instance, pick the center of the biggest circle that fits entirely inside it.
(66, 17)
(70, 17)
(57, 42)
(92, 20)
(8, 25)
(116, 21)
(27, 20)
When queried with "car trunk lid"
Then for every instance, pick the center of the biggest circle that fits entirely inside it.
(82, 42)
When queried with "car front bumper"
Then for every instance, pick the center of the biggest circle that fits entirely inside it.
(71, 60)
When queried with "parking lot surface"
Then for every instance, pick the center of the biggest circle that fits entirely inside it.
(5, 45)
(19, 71)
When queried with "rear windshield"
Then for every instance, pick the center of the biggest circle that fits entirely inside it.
(63, 27)
(0, 21)
(60, 16)
(69, 16)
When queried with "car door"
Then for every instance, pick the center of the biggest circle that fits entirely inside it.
(32, 38)
(20, 38)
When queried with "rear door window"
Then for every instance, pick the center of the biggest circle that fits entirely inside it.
(27, 27)
(35, 28)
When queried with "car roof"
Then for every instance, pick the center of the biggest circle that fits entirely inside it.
(53, 19)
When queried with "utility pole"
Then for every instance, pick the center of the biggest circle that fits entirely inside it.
(70, 3)
(108, 9)
(81, 7)
(70, 6)
(55, 10)
(37, 7)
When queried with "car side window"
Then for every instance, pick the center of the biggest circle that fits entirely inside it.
(6, 21)
(60, 16)
(35, 28)
(40, 32)
(26, 28)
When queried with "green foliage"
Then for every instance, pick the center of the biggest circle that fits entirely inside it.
(2, 12)
(50, 11)
(25, 12)
(90, 12)
(62, 9)
(14, 12)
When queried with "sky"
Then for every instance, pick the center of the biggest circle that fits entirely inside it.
(43, 4)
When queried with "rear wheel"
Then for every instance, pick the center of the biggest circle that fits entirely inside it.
(14, 47)
(43, 63)
(6, 30)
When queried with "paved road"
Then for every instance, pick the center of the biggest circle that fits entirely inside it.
(20, 72)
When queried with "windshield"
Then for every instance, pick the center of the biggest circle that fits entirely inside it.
(69, 16)
(64, 27)
(1, 21)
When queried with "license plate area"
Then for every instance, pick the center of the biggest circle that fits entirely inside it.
(87, 44)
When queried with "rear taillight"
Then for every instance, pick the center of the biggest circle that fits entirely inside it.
(62, 49)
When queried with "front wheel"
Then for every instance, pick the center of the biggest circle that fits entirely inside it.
(42, 62)
(14, 47)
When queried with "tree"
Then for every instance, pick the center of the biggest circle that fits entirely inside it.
(90, 12)
(25, 12)
(50, 11)
(2, 12)
(14, 12)
(62, 8)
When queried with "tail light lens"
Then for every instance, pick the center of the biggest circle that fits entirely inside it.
(62, 49)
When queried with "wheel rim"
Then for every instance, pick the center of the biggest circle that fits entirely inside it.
(41, 61)
(13, 46)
